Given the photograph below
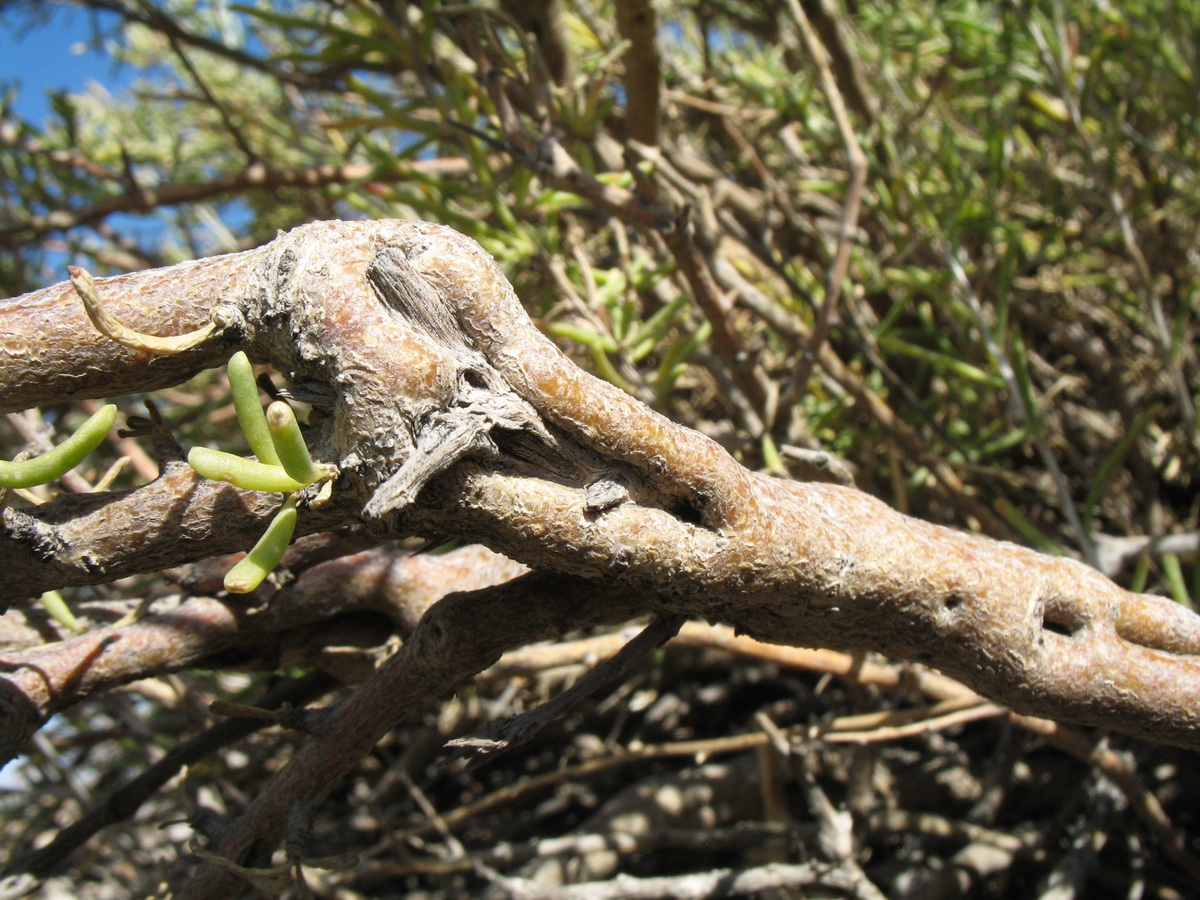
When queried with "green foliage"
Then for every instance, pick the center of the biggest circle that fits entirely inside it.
(48, 467)
(267, 552)
(53, 464)
(1048, 149)
(283, 466)
(56, 606)
(1019, 309)
(249, 409)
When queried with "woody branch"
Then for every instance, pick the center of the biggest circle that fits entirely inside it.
(418, 336)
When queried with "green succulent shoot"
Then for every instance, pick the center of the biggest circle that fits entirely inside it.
(56, 606)
(49, 466)
(283, 465)
(266, 553)
(62, 459)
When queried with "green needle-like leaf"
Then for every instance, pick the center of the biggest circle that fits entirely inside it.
(241, 472)
(289, 444)
(56, 606)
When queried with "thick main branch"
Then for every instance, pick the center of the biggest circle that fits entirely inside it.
(415, 333)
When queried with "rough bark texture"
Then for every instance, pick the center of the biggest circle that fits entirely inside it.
(418, 334)
(46, 678)
(452, 415)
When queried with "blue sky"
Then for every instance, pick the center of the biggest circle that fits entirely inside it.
(54, 55)
(44, 57)
(58, 51)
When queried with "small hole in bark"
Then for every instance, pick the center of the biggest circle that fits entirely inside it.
(1061, 617)
(474, 378)
(1057, 627)
(688, 512)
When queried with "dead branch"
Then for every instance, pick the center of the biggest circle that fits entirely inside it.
(612, 671)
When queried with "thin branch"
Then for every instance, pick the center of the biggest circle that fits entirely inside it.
(845, 878)
(156, 20)
(519, 729)
(1017, 405)
(446, 649)
(38, 682)
(637, 23)
(856, 167)
(231, 127)
(1120, 772)
(123, 802)
(256, 177)
(744, 835)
